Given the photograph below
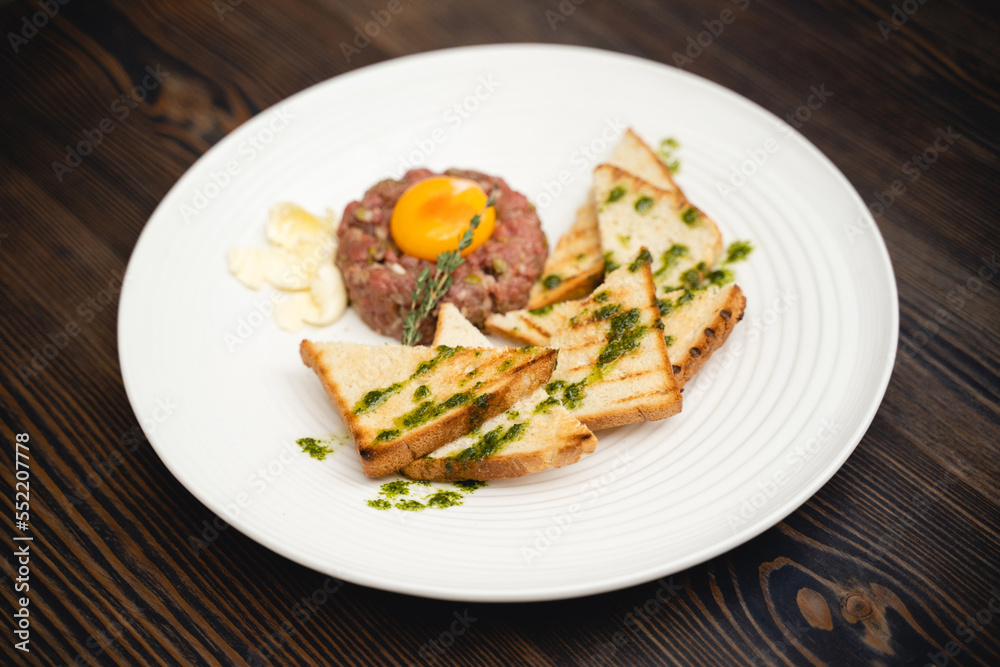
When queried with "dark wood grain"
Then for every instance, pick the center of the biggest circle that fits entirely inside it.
(886, 565)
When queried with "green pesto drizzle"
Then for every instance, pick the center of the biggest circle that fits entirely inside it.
(690, 215)
(738, 251)
(670, 258)
(314, 448)
(624, 337)
(669, 340)
(386, 435)
(470, 485)
(609, 263)
(643, 204)
(544, 406)
(616, 193)
(607, 311)
(422, 392)
(429, 410)
(395, 494)
(544, 310)
(642, 259)
(410, 506)
(572, 394)
(443, 499)
(551, 281)
(375, 398)
(601, 297)
(491, 442)
(444, 352)
(668, 147)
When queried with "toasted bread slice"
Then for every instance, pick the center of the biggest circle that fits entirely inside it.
(549, 437)
(697, 329)
(536, 434)
(633, 214)
(575, 266)
(401, 402)
(454, 330)
(534, 327)
(634, 155)
(613, 365)
(693, 331)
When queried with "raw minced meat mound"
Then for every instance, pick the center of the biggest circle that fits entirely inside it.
(495, 278)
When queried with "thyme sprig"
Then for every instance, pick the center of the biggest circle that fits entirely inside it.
(429, 290)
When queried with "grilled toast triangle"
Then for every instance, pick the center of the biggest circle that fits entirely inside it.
(613, 364)
(534, 434)
(402, 402)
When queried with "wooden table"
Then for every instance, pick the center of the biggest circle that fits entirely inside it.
(896, 560)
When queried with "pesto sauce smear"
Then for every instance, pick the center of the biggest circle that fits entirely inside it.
(320, 448)
(624, 337)
(402, 495)
(377, 397)
(491, 442)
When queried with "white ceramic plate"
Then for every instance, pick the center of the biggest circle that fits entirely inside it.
(769, 419)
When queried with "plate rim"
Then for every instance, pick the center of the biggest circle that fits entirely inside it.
(761, 521)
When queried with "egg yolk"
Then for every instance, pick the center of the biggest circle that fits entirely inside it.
(433, 214)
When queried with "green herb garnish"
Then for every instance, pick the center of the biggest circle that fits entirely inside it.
(314, 448)
(738, 251)
(690, 215)
(609, 263)
(551, 281)
(641, 259)
(544, 310)
(666, 152)
(428, 291)
(616, 194)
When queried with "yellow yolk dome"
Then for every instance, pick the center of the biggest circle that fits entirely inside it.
(433, 214)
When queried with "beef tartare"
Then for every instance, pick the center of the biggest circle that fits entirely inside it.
(495, 278)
